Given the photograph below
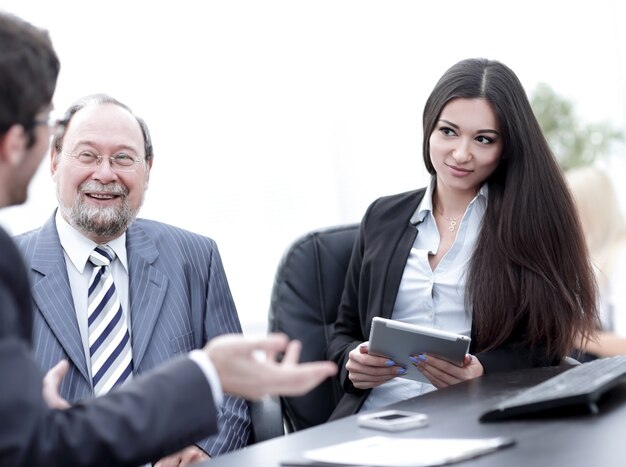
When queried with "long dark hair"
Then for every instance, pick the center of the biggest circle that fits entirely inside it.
(530, 274)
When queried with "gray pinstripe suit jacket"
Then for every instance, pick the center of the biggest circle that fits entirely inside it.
(179, 299)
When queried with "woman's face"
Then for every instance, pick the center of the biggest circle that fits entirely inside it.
(466, 145)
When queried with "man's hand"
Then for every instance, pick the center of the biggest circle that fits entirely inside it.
(189, 455)
(243, 372)
(51, 383)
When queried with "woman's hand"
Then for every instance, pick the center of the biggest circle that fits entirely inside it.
(441, 373)
(368, 371)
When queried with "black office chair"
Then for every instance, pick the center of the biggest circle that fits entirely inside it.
(305, 298)
(267, 420)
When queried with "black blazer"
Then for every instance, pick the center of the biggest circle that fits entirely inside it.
(378, 259)
(133, 425)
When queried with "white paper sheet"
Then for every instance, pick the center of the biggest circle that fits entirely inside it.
(405, 452)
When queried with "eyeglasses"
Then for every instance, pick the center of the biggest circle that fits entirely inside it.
(50, 121)
(120, 162)
(53, 122)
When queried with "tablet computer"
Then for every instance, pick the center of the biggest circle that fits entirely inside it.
(397, 340)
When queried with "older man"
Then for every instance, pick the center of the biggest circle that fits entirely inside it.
(170, 293)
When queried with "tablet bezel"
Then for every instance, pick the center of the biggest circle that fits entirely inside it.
(397, 341)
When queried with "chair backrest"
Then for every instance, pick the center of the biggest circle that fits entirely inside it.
(305, 298)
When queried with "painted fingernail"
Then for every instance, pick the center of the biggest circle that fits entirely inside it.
(414, 360)
(400, 371)
(390, 363)
(422, 357)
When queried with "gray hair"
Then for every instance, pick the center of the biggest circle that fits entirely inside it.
(57, 140)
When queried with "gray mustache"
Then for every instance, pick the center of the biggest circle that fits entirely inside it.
(110, 189)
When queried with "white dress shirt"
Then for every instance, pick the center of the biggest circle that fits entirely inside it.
(433, 298)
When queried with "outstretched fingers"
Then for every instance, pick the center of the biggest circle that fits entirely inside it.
(300, 378)
(292, 354)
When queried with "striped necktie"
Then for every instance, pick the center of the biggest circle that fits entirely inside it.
(109, 339)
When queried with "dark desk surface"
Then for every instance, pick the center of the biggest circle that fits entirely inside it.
(575, 439)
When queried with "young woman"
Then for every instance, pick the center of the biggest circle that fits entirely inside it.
(491, 248)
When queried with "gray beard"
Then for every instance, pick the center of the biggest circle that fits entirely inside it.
(103, 222)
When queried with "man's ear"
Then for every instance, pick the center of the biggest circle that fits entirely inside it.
(54, 161)
(146, 180)
(13, 145)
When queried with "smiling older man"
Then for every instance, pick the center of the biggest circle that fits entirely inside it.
(161, 291)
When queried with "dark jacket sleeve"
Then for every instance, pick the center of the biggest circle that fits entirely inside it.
(151, 416)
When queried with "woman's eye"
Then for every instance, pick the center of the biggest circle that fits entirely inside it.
(447, 131)
(484, 139)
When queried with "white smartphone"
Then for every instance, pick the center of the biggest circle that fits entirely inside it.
(393, 420)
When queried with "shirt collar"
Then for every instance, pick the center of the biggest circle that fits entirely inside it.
(426, 206)
(77, 247)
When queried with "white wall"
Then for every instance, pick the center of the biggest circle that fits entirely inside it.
(272, 118)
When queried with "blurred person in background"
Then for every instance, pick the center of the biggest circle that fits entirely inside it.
(605, 233)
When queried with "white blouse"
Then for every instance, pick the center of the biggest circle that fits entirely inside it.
(430, 298)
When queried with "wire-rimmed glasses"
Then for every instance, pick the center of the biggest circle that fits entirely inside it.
(120, 162)
(49, 121)
(53, 122)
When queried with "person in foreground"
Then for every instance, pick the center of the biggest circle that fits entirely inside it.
(171, 290)
(158, 412)
(491, 248)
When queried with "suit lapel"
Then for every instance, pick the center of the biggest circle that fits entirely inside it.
(147, 287)
(395, 270)
(399, 255)
(53, 295)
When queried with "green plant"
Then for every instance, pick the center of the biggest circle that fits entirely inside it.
(573, 143)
